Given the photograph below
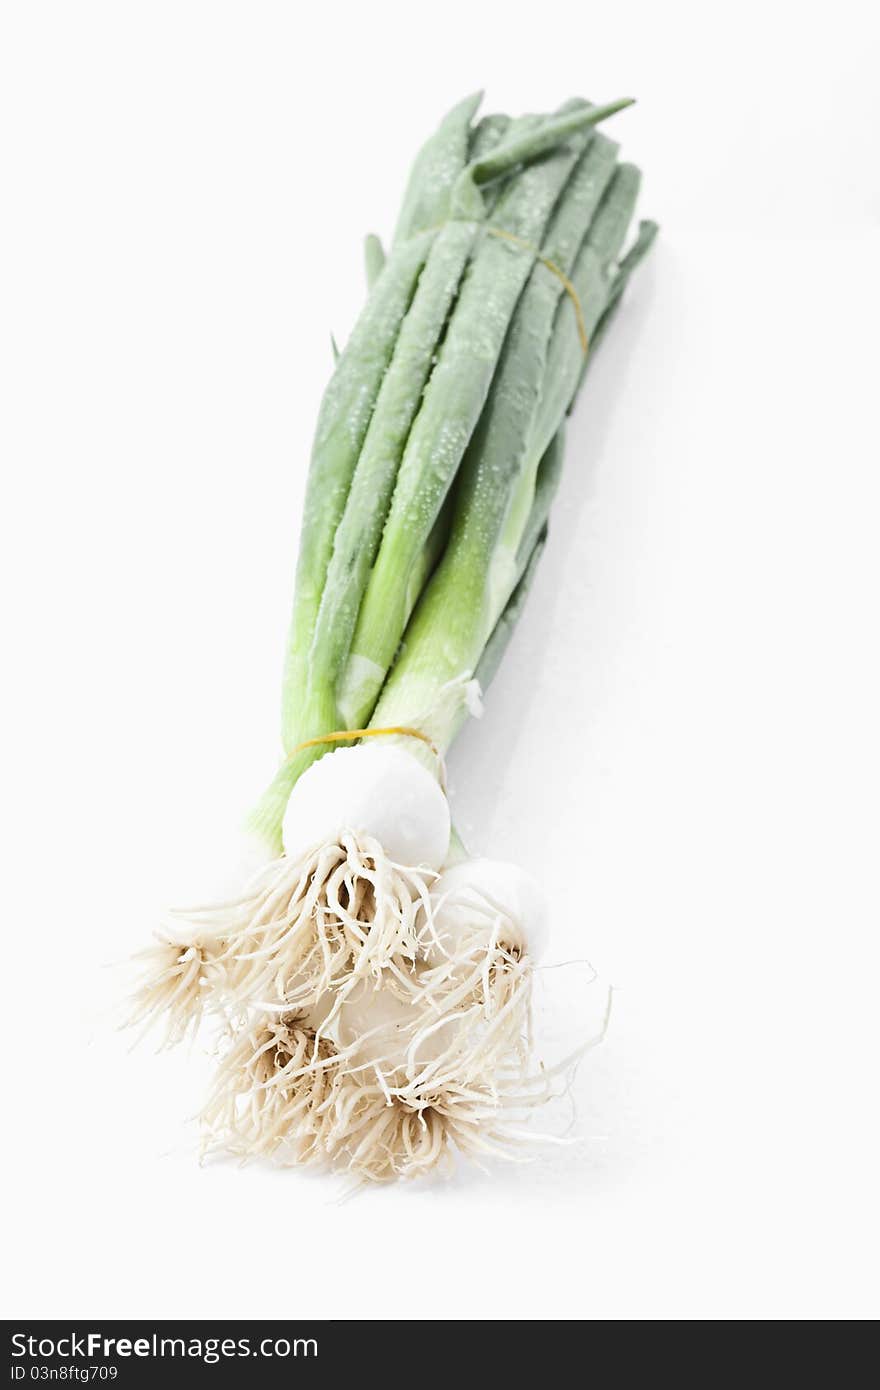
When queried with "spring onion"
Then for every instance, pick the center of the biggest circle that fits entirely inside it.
(372, 980)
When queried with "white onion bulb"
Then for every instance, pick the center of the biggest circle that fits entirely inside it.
(478, 891)
(370, 790)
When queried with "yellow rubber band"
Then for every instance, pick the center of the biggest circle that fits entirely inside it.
(346, 735)
(555, 270)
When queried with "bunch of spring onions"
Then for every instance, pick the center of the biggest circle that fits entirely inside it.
(372, 980)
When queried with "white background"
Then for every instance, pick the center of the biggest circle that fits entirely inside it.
(684, 739)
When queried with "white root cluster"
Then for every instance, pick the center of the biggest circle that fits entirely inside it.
(178, 980)
(321, 922)
(285, 1094)
(375, 1016)
(272, 1094)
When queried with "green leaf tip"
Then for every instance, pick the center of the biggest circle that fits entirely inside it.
(521, 147)
(467, 108)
